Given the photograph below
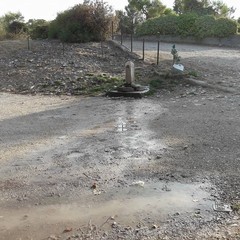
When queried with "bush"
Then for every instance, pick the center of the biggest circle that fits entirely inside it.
(2, 32)
(189, 25)
(165, 25)
(225, 27)
(186, 24)
(40, 32)
(38, 28)
(205, 27)
(82, 23)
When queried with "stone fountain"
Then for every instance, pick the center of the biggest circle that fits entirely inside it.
(129, 88)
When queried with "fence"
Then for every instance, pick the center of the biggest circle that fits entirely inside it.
(153, 51)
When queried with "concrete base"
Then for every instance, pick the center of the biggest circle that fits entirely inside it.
(133, 94)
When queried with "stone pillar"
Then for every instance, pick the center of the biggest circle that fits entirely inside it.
(130, 74)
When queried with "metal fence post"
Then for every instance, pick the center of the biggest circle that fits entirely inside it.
(112, 31)
(131, 42)
(63, 48)
(143, 49)
(28, 41)
(102, 47)
(121, 37)
(158, 52)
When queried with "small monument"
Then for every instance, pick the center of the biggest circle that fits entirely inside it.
(130, 73)
(176, 60)
(129, 88)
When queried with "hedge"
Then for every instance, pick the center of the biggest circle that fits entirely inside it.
(188, 25)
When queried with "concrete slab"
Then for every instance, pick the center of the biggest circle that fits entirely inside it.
(134, 94)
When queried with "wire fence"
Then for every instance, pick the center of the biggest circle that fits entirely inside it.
(154, 51)
(147, 50)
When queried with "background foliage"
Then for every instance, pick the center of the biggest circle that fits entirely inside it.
(90, 21)
(190, 24)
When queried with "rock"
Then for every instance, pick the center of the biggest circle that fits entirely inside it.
(138, 183)
(53, 237)
(114, 225)
(66, 230)
(154, 226)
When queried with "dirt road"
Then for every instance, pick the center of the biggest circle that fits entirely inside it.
(66, 161)
(102, 168)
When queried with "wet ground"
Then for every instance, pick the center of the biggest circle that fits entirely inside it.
(101, 168)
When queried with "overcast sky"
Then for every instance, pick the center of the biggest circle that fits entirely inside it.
(48, 9)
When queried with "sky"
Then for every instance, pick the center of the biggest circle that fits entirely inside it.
(48, 9)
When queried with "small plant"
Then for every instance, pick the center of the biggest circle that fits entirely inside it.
(193, 73)
(236, 207)
(102, 83)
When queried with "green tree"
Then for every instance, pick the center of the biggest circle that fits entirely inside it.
(203, 7)
(128, 20)
(16, 27)
(222, 10)
(148, 8)
(200, 7)
(13, 23)
(178, 6)
(11, 17)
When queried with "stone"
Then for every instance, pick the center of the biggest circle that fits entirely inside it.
(130, 73)
(129, 89)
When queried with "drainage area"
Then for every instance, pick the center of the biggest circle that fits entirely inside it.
(129, 205)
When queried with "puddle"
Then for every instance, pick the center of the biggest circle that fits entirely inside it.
(162, 199)
(121, 125)
(129, 123)
(131, 204)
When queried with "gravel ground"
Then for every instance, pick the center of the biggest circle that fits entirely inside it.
(215, 65)
(101, 168)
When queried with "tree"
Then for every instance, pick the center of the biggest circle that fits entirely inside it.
(16, 27)
(38, 28)
(178, 6)
(203, 7)
(13, 23)
(200, 7)
(11, 17)
(222, 10)
(128, 20)
(148, 8)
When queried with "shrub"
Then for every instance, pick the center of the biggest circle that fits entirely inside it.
(205, 26)
(2, 32)
(186, 24)
(164, 25)
(167, 25)
(39, 32)
(189, 25)
(16, 27)
(38, 28)
(225, 27)
(82, 23)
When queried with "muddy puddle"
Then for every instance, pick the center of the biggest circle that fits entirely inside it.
(128, 206)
